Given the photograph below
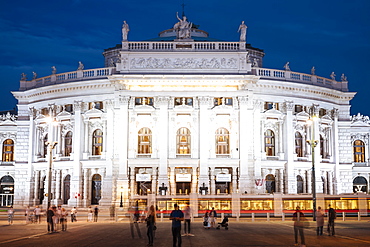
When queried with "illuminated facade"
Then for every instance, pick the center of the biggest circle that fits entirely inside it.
(182, 118)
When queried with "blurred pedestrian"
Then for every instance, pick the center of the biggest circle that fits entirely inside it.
(73, 214)
(176, 216)
(206, 222)
(150, 224)
(298, 218)
(213, 217)
(63, 219)
(96, 212)
(10, 215)
(332, 215)
(27, 214)
(49, 220)
(187, 219)
(134, 221)
(89, 214)
(37, 212)
(320, 215)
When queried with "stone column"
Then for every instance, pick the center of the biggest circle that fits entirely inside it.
(289, 152)
(36, 197)
(162, 129)
(86, 197)
(205, 140)
(234, 179)
(172, 181)
(336, 185)
(212, 189)
(29, 198)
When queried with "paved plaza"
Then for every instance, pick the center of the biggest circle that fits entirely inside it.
(243, 233)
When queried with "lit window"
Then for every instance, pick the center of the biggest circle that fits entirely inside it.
(97, 146)
(145, 141)
(144, 101)
(68, 144)
(8, 150)
(358, 151)
(270, 143)
(183, 141)
(222, 141)
(298, 144)
(184, 101)
(223, 101)
(96, 105)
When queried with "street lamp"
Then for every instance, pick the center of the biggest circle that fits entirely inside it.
(121, 202)
(50, 148)
(313, 144)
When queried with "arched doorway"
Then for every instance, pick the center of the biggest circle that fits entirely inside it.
(270, 183)
(299, 184)
(6, 191)
(66, 189)
(95, 189)
(360, 184)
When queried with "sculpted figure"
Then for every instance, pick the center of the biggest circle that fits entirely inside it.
(343, 78)
(125, 30)
(23, 77)
(286, 66)
(80, 66)
(332, 75)
(183, 27)
(53, 70)
(243, 31)
(34, 75)
(313, 70)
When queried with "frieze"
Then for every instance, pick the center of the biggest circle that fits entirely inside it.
(183, 63)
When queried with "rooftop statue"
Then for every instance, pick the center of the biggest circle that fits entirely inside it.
(53, 70)
(80, 66)
(243, 31)
(332, 76)
(125, 30)
(34, 75)
(23, 77)
(182, 28)
(313, 70)
(343, 78)
(286, 66)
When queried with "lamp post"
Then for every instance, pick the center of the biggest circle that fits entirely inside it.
(313, 144)
(121, 202)
(50, 148)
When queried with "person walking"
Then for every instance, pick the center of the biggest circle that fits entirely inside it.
(176, 216)
(134, 221)
(332, 215)
(27, 213)
(96, 212)
(73, 214)
(150, 224)
(213, 217)
(37, 212)
(55, 218)
(298, 218)
(89, 214)
(10, 215)
(49, 220)
(187, 219)
(63, 219)
(320, 215)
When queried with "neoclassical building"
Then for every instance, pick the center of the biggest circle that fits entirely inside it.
(184, 118)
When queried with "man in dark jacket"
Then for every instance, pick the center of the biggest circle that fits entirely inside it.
(332, 215)
(49, 220)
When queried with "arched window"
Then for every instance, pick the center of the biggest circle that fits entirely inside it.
(298, 144)
(68, 144)
(183, 141)
(358, 151)
(269, 143)
(299, 184)
(322, 147)
(360, 184)
(8, 150)
(222, 141)
(7, 191)
(97, 146)
(145, 141)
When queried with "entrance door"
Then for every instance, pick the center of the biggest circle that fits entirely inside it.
(66, 189)
(6, 191)
(183, 188)
(270, 184)
(222, 187)
(96, 189)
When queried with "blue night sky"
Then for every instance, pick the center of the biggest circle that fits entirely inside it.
(332, 35)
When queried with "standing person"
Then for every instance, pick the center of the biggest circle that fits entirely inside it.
(206, 223)
(319, 221)
(10, 215)
(55, 218)
(49, 220)
(63, 219)
(96, 212)
(213, 217)
(176, 216)
(150, 224)
(298, 218)
(332, 215)
(37, 212)
(73, 214)
(89, 214)
(187, 217)
(27, 213)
